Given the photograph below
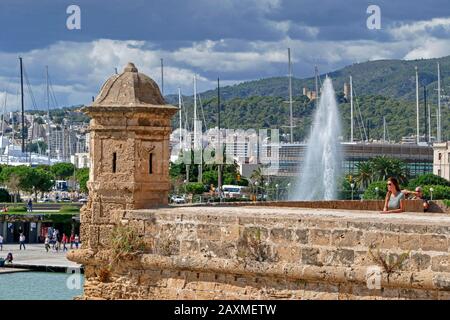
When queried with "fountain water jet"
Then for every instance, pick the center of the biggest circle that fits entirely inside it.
(320, 171)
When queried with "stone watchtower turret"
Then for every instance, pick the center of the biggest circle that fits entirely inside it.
(129, 149)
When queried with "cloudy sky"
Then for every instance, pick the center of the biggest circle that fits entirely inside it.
(238, 40)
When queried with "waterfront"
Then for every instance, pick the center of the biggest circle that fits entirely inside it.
(38, 286)
(34, 285)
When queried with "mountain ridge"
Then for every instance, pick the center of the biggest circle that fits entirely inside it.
(389, 77)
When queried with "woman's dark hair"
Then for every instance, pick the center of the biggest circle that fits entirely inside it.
(394, 181)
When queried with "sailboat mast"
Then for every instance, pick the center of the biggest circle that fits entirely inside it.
(196, 137)
(351, 109)
(429, 121)
(417, 108)
(22, 104)
(195, 110)
(4, 116)
(425, 113)
(439, 128)
(48, 116)
(291, 125)
(219, 149)
(179, 112)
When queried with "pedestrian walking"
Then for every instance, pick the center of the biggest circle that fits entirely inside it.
(1, 242)
(64, 241)
(54, 240)
(30, 205)
(77, 240)
(22, 241)
(72, 241)
(47, 243)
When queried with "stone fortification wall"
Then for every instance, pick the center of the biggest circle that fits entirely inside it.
(270, 253)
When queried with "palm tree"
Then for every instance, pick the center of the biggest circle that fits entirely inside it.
(384, 167)
(257, 176)
(365, 174)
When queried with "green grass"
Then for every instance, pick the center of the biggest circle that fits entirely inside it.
(67, 208)
(38, 213)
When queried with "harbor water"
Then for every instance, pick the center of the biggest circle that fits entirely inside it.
(40, 286)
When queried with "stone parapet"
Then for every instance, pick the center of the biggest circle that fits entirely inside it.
(272, 252)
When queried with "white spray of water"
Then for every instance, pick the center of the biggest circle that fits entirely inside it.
(320, 172)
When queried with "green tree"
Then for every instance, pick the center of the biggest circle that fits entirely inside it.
(371, 192)
(428, 179)
(15, 178)
(384, 167)
(257, 176)
(82, 177)
(12, 183)
(37, 147)
(62, 170)
(195, 188)
(364, 175)
(38, 180)
(439, 192)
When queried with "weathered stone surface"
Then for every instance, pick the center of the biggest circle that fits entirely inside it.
(433, 242)
(441, 263)
(346, 238)
(319, 237)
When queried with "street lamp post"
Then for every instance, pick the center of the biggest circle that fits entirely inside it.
(431, 194)
(266, 191)
(376, 192)
(256, 190)
(288, 189)
(276, 187)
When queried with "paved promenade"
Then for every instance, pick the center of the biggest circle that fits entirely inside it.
(35, 255)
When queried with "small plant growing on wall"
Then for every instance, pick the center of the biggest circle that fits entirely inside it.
(125, 242)
(389, 263)
(252, 247)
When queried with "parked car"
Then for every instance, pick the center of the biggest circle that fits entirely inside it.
(178, 199)
(83, 200)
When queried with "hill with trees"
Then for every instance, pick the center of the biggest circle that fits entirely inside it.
(384, 88)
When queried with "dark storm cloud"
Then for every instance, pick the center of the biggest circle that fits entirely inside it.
(236, 39)
(29, 24)
(346, 20)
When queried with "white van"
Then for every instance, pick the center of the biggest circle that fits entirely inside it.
(232, 191)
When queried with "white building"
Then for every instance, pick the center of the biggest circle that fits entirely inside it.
(80, 160)
(441, 157)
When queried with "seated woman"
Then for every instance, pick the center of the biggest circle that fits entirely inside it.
(394, 201)
(9, 258)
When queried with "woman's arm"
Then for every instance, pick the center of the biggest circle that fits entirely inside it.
(386, 200)
(401, 209)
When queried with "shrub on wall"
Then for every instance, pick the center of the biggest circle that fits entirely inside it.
(439, 192)
(372, 194)
(428, 179)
